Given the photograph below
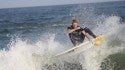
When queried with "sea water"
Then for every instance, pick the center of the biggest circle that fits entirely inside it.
(30, 37)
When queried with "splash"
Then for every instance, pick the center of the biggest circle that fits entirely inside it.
(108, 26)
(23, 55)
(17, 58)
(95, 57)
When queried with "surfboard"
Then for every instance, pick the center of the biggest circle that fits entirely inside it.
(83, 47)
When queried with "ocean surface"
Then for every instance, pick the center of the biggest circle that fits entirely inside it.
(30, 37)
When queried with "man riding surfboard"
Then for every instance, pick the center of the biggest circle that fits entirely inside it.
(77, 34)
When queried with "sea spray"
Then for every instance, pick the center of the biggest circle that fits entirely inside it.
(18, 57)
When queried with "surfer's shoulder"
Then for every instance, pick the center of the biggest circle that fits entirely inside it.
(70, 27)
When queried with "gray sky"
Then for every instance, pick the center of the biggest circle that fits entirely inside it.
(28, 3)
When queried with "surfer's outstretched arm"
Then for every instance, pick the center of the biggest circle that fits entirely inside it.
(72, 30)
(87, 36)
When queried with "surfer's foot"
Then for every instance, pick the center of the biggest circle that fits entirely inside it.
(96, 36)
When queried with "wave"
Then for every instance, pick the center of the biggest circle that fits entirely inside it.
(25, 55)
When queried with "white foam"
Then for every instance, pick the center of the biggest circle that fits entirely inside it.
(17, 58)
(20, 56)
(94, 57)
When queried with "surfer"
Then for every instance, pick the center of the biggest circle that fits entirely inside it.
(77, 34)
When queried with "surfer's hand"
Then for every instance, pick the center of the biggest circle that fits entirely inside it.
(91, 41)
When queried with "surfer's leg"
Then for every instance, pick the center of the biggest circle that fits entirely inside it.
(73, 42)
(89, 32)
(76, 43)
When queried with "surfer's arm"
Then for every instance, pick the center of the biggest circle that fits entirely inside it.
(72, 30)
(87, 36)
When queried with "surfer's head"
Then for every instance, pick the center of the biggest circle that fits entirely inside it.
(75, 22)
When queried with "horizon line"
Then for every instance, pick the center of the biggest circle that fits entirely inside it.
(58, 5)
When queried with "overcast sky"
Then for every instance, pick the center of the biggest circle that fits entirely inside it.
(28, 3)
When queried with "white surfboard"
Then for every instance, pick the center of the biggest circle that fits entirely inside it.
(82, 47)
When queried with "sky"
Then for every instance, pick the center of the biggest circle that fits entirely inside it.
(29, 3)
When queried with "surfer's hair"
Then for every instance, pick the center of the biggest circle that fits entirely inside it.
(74, 21)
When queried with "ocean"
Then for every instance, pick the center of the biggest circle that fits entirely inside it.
(30, 37)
